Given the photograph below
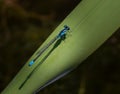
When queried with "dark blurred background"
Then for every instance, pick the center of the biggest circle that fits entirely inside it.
(24, 26)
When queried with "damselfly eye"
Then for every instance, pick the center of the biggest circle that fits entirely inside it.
(66, 27)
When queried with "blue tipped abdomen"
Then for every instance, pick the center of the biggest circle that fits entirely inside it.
(31, 63)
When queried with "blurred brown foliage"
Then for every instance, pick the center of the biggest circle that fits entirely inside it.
(25, 24)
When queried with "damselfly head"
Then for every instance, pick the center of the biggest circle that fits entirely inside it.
(66, 27)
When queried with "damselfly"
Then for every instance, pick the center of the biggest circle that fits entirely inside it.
(59, 36)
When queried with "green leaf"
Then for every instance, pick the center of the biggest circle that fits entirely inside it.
(91, 23)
